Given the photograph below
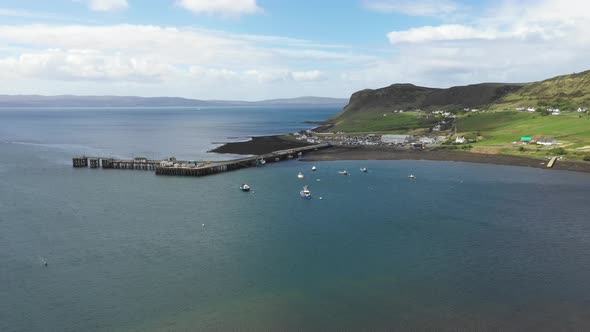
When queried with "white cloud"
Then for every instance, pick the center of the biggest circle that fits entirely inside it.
(437, 33)
(311, 75)
(108, 5)
(87, 65)
(508, 42)
(221, 7)
(199, 63)
(413, 7)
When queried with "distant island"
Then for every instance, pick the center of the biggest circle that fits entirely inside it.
(132, 101)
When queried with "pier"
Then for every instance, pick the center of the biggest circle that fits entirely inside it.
(174, 167)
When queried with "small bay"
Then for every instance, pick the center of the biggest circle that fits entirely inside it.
(462, 247)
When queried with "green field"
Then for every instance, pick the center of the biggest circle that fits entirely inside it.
(392, 122)
(503, 128)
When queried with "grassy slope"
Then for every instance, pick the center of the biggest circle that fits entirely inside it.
(503, 128)
(376, 122)
(498, 129)
(566, 92)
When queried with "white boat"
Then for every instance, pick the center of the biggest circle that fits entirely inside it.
(245, 187)
(343, 172)
(305, 193)
(313, 168)
(364, 169)
(300, 175)
(411, 176)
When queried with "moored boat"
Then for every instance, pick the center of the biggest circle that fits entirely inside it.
(343, 172)
(313, 168)
(245, 187)
(305, 193)
(300, 175)
(411, 176)
(364, 169)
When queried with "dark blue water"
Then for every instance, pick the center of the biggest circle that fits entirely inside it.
(464, 247)
(187, 133)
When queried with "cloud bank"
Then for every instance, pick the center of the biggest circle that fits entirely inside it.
(221, 7)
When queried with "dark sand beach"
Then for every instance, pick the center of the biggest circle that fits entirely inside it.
(267, 144)
(259, 145)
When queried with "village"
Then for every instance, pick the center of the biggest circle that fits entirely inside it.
(443, 132)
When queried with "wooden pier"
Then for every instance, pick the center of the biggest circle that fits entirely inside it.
(172, 166)
(111, 163)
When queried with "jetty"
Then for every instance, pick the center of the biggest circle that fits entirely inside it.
(171, 166)
(551, 162)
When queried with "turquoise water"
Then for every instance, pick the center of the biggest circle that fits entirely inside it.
(464, 247)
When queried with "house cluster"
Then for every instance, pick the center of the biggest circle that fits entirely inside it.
(411, 140)
(473, 110)
(550, 110)
(540, 141)
(370, 139)
(443, 113)
(527, 109)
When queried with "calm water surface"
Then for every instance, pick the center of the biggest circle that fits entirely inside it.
(464, 247)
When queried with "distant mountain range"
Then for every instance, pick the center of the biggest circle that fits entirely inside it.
(130, 101)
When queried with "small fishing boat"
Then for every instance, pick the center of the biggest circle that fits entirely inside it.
(364, 169)
(245, 187)
(411, 176)
(343, 172)
(300, 175)
(305, 193)
(313, 168)
(43, 261)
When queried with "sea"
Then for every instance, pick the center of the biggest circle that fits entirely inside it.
(461, 247)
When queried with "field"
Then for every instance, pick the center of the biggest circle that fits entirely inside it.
(376, 122)
(503, 128)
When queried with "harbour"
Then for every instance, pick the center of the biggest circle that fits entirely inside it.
(173, 167)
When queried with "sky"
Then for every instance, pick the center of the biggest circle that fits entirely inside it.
(264, 49)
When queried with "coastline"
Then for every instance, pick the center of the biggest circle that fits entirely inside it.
(368, 153)
(267, 144)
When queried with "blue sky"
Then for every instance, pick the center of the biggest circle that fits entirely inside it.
(259, 49)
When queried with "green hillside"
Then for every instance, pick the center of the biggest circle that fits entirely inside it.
(377, 110)
(566, 92)
(503, 128)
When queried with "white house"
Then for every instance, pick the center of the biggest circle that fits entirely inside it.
(520, 108)
(554, 111)
(582, 110)
(395, 139)
(460, 140)
(547, 141)
(531, 109)
(427, 140)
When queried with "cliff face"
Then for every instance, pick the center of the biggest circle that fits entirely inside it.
(365, 108)
(411, 97)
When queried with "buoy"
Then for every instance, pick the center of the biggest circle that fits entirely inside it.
(321, 198)
(203, 225)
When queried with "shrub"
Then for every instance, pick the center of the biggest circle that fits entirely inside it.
(587, 158)
(521, 149)
(558, 151)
